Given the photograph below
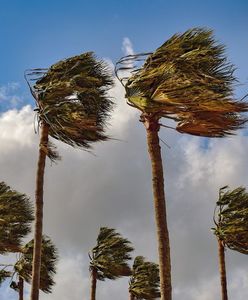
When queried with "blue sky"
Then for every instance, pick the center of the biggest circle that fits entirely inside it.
(39, 33)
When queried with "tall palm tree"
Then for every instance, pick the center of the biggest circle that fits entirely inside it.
(231, 220)
(109, 258)
(16, 216)
(23, 267)
(188, 80)
(72, 106)
(144, 282)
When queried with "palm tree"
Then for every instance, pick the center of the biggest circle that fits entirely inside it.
(231, 220)
(16, 216)
(188, 80)
(23, 267)
(72, 106)
(109, 258)
(144, 282)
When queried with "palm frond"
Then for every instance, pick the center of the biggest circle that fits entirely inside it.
(189, 79)
(49, 258)
(72, 99)
(111, 254)
(16, 216)
(144, 282)
(232, 220)
(4, 275)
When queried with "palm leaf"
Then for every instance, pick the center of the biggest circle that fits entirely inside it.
(189, 79)
(49, 258)
(232, 219)
(111, 254)
(72, 99)
(16, 216)
(144, 282)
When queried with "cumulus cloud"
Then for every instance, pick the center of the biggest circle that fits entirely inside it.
(9, 97)
(127, 46)
(113, 188)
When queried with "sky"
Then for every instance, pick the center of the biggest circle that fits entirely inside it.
(112, 186)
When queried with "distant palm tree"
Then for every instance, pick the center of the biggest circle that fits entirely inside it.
(23, 267)
(144, 282)
(231, 220)
(109, 258)
(72, 106)
(16, 216)
(188, 80)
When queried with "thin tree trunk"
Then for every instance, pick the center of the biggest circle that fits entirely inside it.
(222, 267)
(93, 285)
(131, 296)
(20, 286)
(152, 128)
(39, 212)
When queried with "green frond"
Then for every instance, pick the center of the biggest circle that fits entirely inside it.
(232, 219)
(49, 258)
(4, 275)
(189, 79)
(144, 282)
(111, 255)
(16, 216)
(72, 99)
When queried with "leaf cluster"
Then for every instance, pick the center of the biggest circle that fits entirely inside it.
(72, 99)
(49, 258)
(144, 282)
(232, 220)
(189, 80)
(16, 216)
(109, 258)
(4, 275)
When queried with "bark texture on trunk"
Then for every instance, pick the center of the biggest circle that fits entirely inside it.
(93, 285)
(222, 267)
(131, 296)
(152, 128)
(39, 212)
(20, 286)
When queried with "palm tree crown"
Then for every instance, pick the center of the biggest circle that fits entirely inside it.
(109, 258)
(49, 258)
(16, 216)
(144, 282)
(72, 99)
(232, 219)
(189, 80)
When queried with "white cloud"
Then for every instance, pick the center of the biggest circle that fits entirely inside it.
(9, 97)
(127, 46)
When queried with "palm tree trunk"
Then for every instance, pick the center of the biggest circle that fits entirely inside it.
(131, 296)
(20, 286)
(222, 267)
(93, 285)
(152, 128)
(39, 212)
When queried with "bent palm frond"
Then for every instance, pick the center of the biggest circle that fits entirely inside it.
(189, 79)
(72, 99)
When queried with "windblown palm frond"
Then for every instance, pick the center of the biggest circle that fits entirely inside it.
(144, 282)
(4, 275)
(188, 79)
(16, 216)
(109, 258)
(72, 99)
(49, 258)
(232, 219)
